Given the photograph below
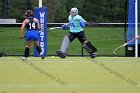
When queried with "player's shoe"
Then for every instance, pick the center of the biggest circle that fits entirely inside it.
(42, 56)
(93, 55)
(24, 58)
(61, 54)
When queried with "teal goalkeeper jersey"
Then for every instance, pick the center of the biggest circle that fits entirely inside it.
(75, 23)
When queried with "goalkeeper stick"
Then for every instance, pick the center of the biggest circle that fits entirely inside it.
(52, 28)
(114, 51)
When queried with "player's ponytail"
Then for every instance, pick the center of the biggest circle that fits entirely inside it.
(29, 13)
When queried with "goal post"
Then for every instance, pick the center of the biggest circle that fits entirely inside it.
(136, 28)
(133, 49)
(40, 3)
(41, 14)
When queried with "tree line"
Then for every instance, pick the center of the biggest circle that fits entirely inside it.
(58, 10)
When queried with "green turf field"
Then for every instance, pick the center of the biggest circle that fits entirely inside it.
(70, 75)
(104, 38)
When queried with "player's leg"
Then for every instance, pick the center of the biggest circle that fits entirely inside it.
(65, 44)
(87, 44)
(36, 43)
(28, 43)
(26, 51)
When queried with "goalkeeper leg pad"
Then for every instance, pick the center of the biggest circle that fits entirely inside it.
(89, 47)
(65, 44)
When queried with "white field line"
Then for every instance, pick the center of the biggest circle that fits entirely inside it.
(61, 66)
(25, 67)
(57, 85)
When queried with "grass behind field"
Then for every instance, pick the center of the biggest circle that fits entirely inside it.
(104, 38)
(70, 75)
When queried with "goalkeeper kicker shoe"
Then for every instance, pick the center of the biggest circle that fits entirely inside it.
(61, 54)
(93, 55)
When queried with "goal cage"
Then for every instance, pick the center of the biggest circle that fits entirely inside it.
(105, 29)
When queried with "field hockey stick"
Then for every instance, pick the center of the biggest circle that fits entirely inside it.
(52, 28)
(64, 27)
(114, 51)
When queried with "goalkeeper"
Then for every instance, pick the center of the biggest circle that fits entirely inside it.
(32, 33)
(76, 24)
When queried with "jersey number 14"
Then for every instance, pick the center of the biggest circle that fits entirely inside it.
(32, 25)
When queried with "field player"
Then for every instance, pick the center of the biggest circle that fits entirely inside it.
(76, 24)
(32, 33)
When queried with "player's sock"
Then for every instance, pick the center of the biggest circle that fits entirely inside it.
(39, 49)
(65, 44)
(40, 52)
(26, 52)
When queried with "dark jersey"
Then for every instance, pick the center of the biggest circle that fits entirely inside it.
(31, 25)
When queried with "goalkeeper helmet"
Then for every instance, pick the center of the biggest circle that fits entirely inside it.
(74, 11)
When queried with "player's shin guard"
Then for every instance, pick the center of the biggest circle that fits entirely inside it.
(89, 48)
(26, 52)
(65, 44)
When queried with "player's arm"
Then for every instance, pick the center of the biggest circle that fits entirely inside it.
(38, 25)
(22, 28)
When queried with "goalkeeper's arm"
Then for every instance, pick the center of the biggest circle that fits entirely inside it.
(65, 27)
(83, 23)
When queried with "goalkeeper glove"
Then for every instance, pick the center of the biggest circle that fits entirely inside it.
(65, 27)
(82, 24)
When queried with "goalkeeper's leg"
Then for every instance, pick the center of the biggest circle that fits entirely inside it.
(90, 48)
(65, 44)
(87, 44)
